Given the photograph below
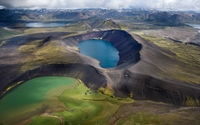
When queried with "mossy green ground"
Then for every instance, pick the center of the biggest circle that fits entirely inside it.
(53, 52)
(45, 121)
(83, 106)
(171, 118)
(86, 107)
(140, 118)
(4, 33)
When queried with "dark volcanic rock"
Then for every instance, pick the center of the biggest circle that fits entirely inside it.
(21, 40)
(127, 46)
(143, 87)
(78, 71)
(136, 86)
(128, 51)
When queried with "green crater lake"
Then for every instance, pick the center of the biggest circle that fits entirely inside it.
(33, 95)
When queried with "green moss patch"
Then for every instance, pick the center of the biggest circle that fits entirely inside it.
(86, 107)
(7, 33)
(140, 118)
(45, 121)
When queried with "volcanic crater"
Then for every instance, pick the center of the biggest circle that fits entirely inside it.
(64, 59)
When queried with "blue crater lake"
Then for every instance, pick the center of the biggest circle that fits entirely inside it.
(101, 50)
(45, 24)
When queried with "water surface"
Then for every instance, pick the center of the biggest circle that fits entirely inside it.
(197, 26)
(45, 24)
(101, 50)
(31, 95)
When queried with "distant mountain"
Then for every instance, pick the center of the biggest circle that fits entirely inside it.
(137, 15)
(94, 23)
(172, 19)
(40, 15)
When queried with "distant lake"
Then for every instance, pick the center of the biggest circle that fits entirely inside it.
(101, 50)
(197, 26)
(45, 24)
